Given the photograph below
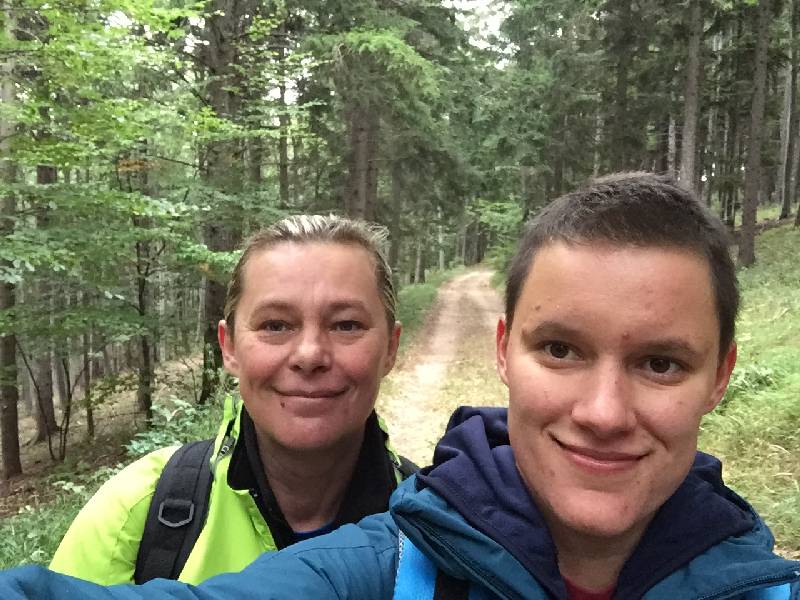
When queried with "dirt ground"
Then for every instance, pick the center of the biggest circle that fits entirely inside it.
(450, 364)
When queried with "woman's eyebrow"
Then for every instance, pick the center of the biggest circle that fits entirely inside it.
(272, 305)
(347, 304)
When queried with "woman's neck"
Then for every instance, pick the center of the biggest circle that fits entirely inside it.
(309, 486)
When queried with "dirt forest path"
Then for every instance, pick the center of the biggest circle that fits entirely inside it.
(451, 363)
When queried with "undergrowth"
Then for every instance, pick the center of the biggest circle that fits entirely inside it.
(756, 429)
(33, 534)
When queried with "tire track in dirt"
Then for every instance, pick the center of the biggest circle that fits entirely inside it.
(412, 402)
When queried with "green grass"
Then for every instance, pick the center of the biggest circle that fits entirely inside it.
(756, 430)
(32, 535)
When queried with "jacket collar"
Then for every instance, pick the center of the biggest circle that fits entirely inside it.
(368, 493)
(475, 477)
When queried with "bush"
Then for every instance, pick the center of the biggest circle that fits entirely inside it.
(176, 421)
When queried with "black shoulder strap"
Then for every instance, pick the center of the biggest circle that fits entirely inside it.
(177, 513)
(450, 588)
(406, 467)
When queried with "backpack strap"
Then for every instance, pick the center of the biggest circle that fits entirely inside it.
(776, 592)
(405, 467)
(419, 579)
(177, 513)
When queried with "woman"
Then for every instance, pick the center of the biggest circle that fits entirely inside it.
(309, 331)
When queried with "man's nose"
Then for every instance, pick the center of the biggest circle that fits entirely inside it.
(312, 351)
(606, 405)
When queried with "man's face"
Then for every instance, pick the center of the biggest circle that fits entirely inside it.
(612, 360)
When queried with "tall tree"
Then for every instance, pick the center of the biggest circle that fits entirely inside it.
(691, 96)
(9, 395)
(747, 254)
(226, 24)
(785, 175)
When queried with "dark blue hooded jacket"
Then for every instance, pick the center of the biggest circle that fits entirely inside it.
(471, 516)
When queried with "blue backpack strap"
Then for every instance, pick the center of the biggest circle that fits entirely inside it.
(775, 592)
(419, 579)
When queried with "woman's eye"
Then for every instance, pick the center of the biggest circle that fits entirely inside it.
(274, 326)
(348, 326)
(557, 350)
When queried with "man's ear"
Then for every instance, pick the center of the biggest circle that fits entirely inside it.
(394, 344)
(723, 377)
(226, 346)
(501, 341)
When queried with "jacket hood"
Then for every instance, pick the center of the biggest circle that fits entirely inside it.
(474, 479)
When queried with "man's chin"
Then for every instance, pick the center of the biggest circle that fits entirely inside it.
(601, 516)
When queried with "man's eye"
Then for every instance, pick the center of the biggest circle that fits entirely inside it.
(348, 326)
(557, 350)
(662, 366)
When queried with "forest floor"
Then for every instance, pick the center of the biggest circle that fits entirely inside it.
(116, 420)
(450, 363)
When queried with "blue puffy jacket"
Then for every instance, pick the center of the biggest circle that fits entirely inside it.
(470, 515)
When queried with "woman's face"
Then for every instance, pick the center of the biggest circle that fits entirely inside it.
(311, 343)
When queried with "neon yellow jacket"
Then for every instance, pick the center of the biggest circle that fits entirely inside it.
(102, 543)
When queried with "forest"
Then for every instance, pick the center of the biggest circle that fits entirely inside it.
(142, 140)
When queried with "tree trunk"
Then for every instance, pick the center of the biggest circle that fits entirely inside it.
(787, 183)
(672, 146)
(283, 122)
(620, 150)
(86, 372)
(226, 21)
(395, 230)
(598, 140)
(144, 392)
(691, 97)
(361, 188)
(44, 410)
(419, 262)
(9, 394)
(440, 238)
(713, 156)
(785, 135)
(747, 254)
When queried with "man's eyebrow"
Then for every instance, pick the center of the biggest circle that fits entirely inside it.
(561, 331)
(672, 346)
(550, 329)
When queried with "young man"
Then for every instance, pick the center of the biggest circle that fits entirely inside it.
(618, 338)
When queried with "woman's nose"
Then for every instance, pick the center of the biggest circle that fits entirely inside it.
(312, 351)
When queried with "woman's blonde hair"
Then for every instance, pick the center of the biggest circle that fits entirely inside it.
(305, 229)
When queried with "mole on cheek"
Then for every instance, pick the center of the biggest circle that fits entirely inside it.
(626, 336)
(538, 307)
